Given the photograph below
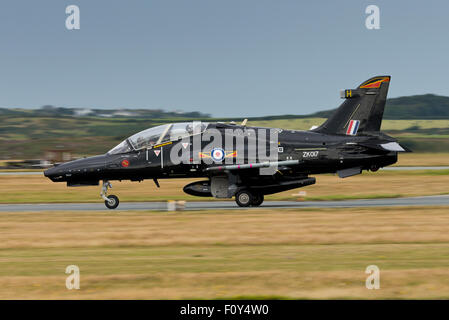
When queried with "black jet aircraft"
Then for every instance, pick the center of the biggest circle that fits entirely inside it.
(347, 143)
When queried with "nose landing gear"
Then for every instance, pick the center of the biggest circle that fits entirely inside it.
(110, 201)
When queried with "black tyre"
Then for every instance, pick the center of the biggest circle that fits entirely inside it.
(244, 198)
(112, 203)
(257, 200)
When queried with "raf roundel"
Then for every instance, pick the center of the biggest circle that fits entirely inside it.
(217, 154)
(125, 163)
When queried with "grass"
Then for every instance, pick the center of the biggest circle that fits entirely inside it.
(387, 125)
(423, 159)
(38, 189)
(20, 170)
(288, 253)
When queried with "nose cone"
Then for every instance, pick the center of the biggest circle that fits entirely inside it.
(80, 168)
(56, 173)
(49, 173)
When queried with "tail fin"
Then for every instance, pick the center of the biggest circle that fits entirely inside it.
(362, 110)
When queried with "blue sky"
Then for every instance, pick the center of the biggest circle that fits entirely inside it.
(224, 57)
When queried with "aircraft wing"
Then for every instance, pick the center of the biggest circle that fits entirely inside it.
(385, 146)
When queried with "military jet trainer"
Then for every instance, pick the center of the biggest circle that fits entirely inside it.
(239, 161)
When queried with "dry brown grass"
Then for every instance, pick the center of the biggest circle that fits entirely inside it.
(379, 183)
(423, 159)
(38, 189)
(253, 227)
(289, 253)
(395, 284)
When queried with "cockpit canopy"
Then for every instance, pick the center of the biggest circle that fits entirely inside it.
(160, 134)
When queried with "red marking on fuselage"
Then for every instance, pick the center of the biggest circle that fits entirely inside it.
(125, 163)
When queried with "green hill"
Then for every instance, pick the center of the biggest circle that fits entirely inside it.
(59, 112)
(426, 106)
(421, 121)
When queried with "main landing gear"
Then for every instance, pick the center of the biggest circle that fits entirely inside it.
(110, 201)
(246, 198)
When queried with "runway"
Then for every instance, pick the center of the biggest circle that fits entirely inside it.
(218, 205)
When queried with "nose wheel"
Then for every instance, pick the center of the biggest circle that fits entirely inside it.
(111, 201)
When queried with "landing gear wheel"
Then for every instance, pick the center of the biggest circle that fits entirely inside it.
(244, 198)
(257, 200)
(112, 203)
